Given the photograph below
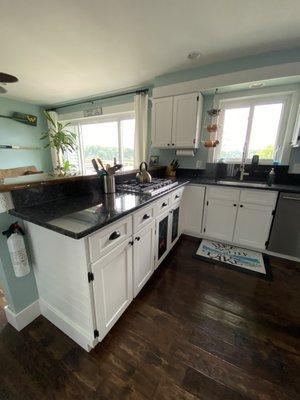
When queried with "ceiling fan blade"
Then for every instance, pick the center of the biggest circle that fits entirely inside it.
(2, 90)
(6, 78)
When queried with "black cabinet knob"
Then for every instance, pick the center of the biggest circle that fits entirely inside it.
(177, 196)
(146, 216)
(234, 205)
(164, 204)
(115, 235)
(241, 205)
(168, 144)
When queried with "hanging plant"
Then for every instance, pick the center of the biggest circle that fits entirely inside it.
(61, 139)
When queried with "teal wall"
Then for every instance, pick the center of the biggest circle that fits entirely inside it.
(13, 132)
(19, 292)
(238, 64)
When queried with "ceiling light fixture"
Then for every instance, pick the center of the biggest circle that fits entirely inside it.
(194, 55)
(256, 85)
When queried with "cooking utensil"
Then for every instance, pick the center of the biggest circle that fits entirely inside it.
(143, 174)
(95, 165)
(101, 163)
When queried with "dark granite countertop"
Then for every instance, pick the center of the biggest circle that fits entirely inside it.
(245, 184)
(79, 216)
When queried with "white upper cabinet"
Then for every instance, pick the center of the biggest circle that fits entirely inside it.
(162, 115)
(185, 112)
(176, 122)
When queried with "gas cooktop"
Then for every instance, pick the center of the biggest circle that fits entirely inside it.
(153, 188)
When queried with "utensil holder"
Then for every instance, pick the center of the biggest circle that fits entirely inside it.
(109, 184)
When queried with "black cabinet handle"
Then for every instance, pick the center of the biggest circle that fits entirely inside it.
(241, 205)
(234, 205)
(131, 242)
(177, 196)
(115, 235)
(173, 144)
(168, 144)
(164, 204)
(146, 216)
(137, 238)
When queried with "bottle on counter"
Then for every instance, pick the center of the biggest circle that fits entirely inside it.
(271, 177)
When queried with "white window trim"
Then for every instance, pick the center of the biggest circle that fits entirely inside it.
(96, 119)
(289, 95)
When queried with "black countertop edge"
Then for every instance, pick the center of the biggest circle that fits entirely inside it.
(245, 185)
(22, 214)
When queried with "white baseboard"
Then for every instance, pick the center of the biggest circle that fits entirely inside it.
(61, 321)
(24, 317)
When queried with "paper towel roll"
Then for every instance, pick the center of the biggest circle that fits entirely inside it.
(190, 153)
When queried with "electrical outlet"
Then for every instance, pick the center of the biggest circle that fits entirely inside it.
(200, 164)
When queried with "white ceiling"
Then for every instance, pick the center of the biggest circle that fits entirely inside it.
(67, 49)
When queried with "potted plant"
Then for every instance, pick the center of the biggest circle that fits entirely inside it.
(61, 139)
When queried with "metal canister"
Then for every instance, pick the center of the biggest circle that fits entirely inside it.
(109, 184)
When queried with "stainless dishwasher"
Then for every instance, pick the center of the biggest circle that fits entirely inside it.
(285, 232)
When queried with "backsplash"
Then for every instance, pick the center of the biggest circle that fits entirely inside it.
(258, 173)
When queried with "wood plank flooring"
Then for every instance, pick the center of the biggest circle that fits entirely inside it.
(196, 331)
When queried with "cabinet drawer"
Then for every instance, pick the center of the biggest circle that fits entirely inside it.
(108, 238)
(162, 205)
(143, 217)
(262, 197)
(213, 192)
(177, 195)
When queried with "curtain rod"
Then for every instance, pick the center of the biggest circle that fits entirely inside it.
(137, 91)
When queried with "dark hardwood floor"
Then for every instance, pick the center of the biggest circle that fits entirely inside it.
(196, 331)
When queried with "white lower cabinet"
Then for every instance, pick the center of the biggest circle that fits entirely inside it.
(220, 218)
(241, 216)
(192, 209)
(112, 286)
(143, 256)
(253, 225)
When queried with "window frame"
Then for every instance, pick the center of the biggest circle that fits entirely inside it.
(259, 97)
(117, 117)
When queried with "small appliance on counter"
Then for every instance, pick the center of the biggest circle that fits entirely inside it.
(153, 188)
(143, 175)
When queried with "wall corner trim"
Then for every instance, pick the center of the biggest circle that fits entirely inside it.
(24, 317)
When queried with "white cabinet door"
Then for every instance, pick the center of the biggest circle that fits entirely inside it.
(143, 256)
(162, 112)
(112, 286)
(253, 225)
(185, 113)
(192, 209)
(220, 216)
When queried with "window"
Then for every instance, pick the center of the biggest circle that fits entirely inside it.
(252, 125)
(108, 138)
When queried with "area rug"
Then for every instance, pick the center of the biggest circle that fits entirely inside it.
(236, 258)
